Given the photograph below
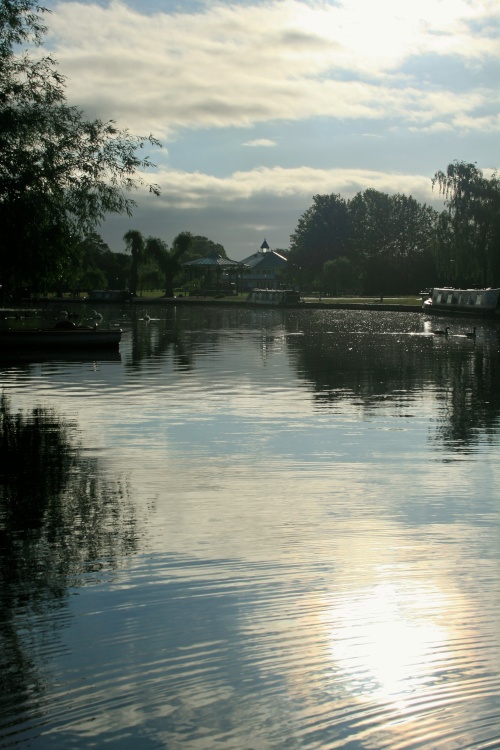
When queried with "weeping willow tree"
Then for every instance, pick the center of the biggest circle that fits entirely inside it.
(60, 173)
(468, 234)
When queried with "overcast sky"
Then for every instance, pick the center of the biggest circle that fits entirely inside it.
(262, 105)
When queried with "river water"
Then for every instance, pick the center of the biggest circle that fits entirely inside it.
(253, 529)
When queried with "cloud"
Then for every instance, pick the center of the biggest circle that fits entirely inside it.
(260, 143)
(239, 210)
(190, 191)
(419, 82)
(237, 65)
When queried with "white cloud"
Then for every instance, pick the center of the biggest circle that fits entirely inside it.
(260, 143)
(241, 209)
(284, 60)
(417, 80)
(184, 190)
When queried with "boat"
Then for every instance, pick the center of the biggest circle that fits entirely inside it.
(65, 334)
(463, 301)
(278, 297)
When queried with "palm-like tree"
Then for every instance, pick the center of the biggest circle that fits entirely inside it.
(134, 242)
(168, 261)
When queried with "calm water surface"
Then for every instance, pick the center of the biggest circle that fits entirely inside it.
(253, 529)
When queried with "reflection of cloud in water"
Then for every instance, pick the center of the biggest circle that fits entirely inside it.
(313, 571)
(353, 649)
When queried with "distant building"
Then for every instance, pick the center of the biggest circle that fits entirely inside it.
(217, 273)
(262, 268)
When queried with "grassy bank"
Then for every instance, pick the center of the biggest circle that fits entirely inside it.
(408, 300)
(156, 295)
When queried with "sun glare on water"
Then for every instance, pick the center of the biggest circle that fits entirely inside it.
(387, 641)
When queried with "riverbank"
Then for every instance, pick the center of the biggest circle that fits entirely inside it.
(395, 304)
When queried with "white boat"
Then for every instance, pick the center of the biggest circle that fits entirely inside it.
(278, 297)
(65, 335)
(463, 301)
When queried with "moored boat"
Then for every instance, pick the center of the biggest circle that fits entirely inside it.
(278, 297)
(64, 334)
(484, 302)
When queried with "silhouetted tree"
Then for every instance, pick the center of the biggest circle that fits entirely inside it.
(134, 242)
(60, 174)
(322, 234)
(468, 239)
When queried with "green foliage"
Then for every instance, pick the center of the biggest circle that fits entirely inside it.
(387, 240)
(468, 237)
(99, 268)
(180, 247)
(60, 174)
(202, 247)
(162, 262)
(134, 243)
(322, 234)
(339, 277)
(391, 241)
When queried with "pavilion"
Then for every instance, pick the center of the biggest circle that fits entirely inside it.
(218, 273)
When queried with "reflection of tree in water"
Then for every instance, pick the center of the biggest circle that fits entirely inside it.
(182, 332)
(360, 365)
(364, 367)
(59, 519)
(472, 398)
(157, 338)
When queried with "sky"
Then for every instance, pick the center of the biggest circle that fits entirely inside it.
(260, 106)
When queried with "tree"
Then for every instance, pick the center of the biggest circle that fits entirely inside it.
(180, 247)
(134, 242)
(60, 174)
(168, 261)
(413, 239)
(202, 247)
(391, 241)
(371, 237)
(99, 267)
(157, 251)
(322, 233)
(468, 241)
(338, 277)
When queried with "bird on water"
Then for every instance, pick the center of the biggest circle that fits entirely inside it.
(472, 334)
(441, 333)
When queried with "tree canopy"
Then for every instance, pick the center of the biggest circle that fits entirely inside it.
(202, 247)
(322, 233)
(468, 238)
(60, 174)
(156, 250)
(387, 240)
(169, 261)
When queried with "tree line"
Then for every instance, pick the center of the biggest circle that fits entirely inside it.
(61, 175)
(380, 243)
(374, 243)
